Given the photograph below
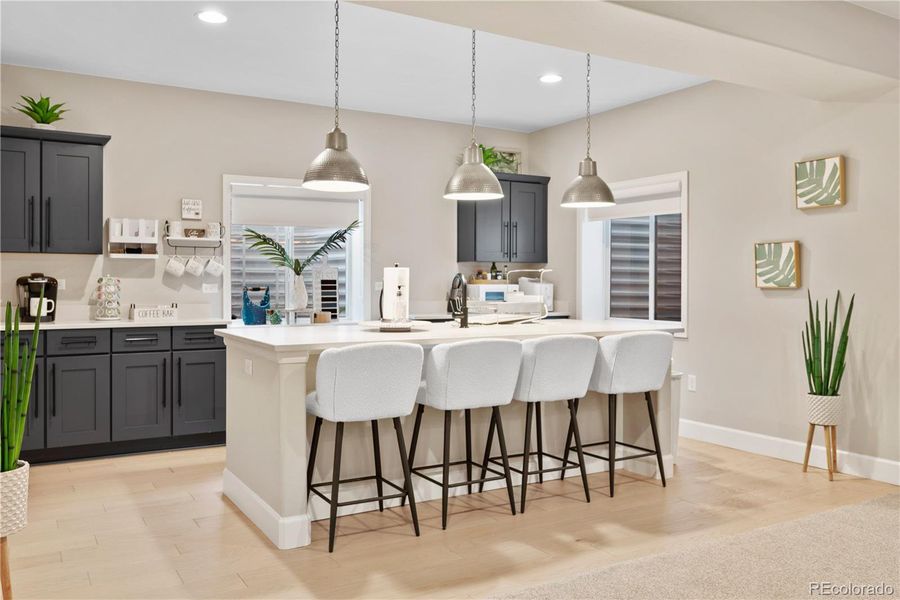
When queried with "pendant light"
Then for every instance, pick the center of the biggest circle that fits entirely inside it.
(472, 180)
(335, 169)
(587, 190)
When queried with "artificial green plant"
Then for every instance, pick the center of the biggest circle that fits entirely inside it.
(41, 111)
(278, 256)
(824, 362)
(497, 160)
(18, 371)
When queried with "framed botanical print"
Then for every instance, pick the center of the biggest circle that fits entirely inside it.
(777, 265)
(819, 182)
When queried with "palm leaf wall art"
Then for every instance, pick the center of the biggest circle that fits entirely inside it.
(819, 182)
(777, 265)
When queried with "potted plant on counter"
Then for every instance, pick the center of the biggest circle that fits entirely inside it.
(825, 365)
(41, 111)
(18, 371)
(278, 256)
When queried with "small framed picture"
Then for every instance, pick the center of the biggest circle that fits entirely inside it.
(777, 265)
(191, 209)
(819, 182)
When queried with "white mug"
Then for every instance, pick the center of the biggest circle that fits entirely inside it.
(194, 266)
(46, 308)
(175, 266)
(214, 267)
(175, 229)
(214, 230)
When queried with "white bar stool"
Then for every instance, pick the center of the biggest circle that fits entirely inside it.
(463, 376)
(366, 382)
(554, 369)
(627, 364)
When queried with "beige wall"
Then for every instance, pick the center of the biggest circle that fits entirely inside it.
(171, 143)
(743, 344)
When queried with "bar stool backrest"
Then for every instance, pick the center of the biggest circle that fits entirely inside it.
(369, 381)
(472, 374)
(557, 367)
(632, 362)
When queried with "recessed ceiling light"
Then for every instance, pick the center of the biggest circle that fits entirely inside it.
(212, 16)
(550, 78)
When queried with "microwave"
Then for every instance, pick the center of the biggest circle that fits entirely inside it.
(491, 292)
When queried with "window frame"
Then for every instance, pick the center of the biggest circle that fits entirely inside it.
(292, 188)
(644, 197)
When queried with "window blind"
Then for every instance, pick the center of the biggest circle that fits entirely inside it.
(667, 286)
(629, 267)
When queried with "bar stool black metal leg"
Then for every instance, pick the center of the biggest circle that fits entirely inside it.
(540, 442)
(495, 419)
(573, 418)
(407, 474)
(377, 448)
(335, 485)
(612, 445)
(311, 463)
(487, 451)
(659, 460)
(562, 474)
(445, 487)
(468, 415)
(414, 442)
(525, 452)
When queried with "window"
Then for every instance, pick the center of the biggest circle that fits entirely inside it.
(633, 255)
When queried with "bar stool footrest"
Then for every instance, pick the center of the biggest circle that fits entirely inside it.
(327, 499)
(499, 474)
(570, 463)
(646, 451)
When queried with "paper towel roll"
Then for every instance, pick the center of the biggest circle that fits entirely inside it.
(394, 278)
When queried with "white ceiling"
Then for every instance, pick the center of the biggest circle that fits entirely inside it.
(390, 63)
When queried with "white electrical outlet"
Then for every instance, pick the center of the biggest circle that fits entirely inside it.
(692, 383)
(248, 366)
(210, 288)
(60, 284)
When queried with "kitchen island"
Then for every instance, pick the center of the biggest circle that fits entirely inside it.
(270, 369)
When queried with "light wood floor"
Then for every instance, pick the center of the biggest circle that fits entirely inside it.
(157, 526)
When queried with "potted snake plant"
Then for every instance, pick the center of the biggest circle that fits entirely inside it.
(825, 361)
(18, 371)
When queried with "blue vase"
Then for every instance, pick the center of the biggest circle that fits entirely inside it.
(255, 314)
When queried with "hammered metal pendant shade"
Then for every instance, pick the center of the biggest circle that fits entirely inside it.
(472, 180)
(587, 190)
(335, 169)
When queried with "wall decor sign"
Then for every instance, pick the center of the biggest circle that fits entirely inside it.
(777, 265)
(819, 182)
(191, 209)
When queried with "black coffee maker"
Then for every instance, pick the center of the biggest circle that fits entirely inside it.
(29, 288)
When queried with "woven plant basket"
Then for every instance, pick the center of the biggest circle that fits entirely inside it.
(824, 410)
(14, 506)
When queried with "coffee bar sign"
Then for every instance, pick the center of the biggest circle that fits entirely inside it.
(191, 209)
(154, 313)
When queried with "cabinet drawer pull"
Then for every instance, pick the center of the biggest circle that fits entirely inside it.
(67, 341)
(199, 338)
(142, 339)
(165, 392)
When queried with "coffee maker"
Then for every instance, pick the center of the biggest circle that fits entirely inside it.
(29, 289)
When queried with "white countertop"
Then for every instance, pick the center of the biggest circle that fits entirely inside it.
(319, 337)
(121, 323)
(446, 315)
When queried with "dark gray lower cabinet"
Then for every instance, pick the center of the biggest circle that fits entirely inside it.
(78, 400)
(34, 423)
(141, 395)
(199, 381)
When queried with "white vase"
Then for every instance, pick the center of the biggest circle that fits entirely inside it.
(14, 507)
(301, 296)
(47, 126)
(824, 410)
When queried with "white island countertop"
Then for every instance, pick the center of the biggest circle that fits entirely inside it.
(315, 338)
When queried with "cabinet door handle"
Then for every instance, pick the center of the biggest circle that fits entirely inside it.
(47, 219)
(31, 222)
(37, 373)
(178, 384)
(515, 251)
(165, 390)
(53, 391)
(504, 239)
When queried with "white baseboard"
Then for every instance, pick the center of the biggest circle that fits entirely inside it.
(285, 532)
(860, 465)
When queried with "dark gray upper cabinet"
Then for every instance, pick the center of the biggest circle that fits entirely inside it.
(512, 229)
(78, 401)
(20, 210)
(52, 191)
(199, 381)
(141, 395)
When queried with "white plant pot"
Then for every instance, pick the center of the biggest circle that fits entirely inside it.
(824, 410)
(301, 296)
(47, 126)
(14, 506)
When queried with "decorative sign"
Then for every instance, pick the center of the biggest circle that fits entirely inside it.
(191, 209)
(154, 313)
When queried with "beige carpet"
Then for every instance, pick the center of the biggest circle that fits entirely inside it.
(858, 544)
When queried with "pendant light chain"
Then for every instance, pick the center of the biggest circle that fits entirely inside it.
(473, 86)
(337, 40)
(587, 109)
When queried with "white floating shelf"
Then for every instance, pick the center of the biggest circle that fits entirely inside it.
(133, 256)
(194, 242)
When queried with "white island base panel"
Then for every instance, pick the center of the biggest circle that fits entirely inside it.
(270, 369)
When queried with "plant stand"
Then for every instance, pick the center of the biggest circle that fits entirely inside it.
(4, 569)
(830, 448)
